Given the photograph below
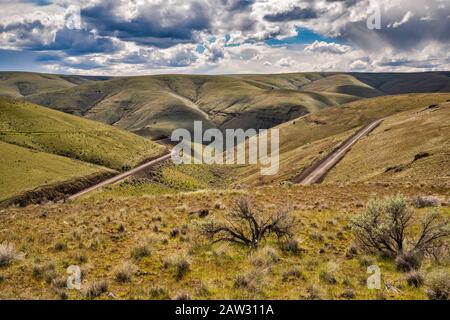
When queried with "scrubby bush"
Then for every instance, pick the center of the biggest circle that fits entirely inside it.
(174, 232)
(182, 267)
(291, 246)
(415, 279)
(425, 201)
(351, 252)
(313, 293)
(292, 274)
(140, 251)
(159, 293)
(327, 277)
(264, 257)
(348, 294)
(438, 285)
(8, 254)
(245, 281)
(244, 226)
(386, 228)
(46, 271)
(95, 289)
(182, 296)
(60, 246)
(125, 272)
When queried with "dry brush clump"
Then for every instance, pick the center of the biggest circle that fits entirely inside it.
(425, 201)
(245, 226)
(438, 285)
(95, 289)
(387, 228)
(125, 272)
(8, 254)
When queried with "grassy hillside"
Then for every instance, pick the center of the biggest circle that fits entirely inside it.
(343, 83)
(399, 83)
(19, 84)
(412, 146)
(154, 106)
(51, 131)
(306, 140)
(24, 169)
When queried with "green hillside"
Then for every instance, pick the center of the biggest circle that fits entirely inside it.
(153, 106)
(51, 131)
(24, 169)
(20, 84)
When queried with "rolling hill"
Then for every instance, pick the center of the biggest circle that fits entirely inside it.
(21, 84)
(41, 146)
(304, 141)
(410, 147)
(152, 106)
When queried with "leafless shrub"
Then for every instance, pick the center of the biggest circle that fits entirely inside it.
(385, 228)
(244, 226)
(8, 254)
(95, 289)
(438, 285)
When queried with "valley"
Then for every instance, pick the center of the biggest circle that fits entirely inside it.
(87, 180)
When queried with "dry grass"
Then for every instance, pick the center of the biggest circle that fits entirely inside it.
(198, 268)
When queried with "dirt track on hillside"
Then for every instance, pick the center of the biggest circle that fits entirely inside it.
(121, 176)
(317, 172)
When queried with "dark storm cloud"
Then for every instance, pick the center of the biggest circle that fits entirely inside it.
(78, 42)
(154, 25)
(296, 13)
(28, 34)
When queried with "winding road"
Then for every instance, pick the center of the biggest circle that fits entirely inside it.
(318, 170)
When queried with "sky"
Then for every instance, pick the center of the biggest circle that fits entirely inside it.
(117, 37)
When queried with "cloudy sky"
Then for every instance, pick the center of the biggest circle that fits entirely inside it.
(118, 37)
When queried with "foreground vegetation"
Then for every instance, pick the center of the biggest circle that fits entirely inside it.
(155, 247)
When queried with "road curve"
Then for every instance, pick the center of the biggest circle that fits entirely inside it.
(121, 176)
(321, 169)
